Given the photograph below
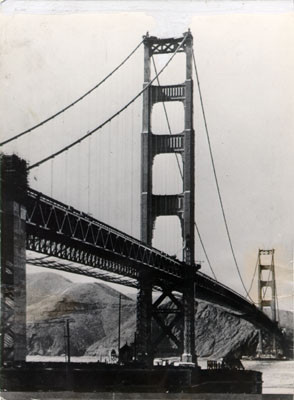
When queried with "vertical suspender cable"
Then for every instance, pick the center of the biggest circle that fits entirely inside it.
(66, 177)
(89, 172)
(51, 180)
(132, 161)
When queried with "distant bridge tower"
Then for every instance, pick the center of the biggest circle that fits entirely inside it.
(267, 280)
(181, 205)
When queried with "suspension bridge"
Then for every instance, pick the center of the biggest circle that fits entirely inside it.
(71, 240)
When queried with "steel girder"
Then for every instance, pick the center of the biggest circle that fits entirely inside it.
(167, 315)
(65, 251)
(80, 269)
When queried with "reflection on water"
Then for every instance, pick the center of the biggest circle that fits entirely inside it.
(278, 376)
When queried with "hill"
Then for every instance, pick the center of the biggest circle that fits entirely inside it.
(93, 309)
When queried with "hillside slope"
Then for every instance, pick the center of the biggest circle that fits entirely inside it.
(93, 309)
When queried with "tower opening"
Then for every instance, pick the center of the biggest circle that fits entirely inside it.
(167, 236)
(167, 177)
(175, 113)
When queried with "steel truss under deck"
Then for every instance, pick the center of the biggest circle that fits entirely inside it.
(61, 231)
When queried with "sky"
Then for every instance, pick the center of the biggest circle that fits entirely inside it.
(245, 62)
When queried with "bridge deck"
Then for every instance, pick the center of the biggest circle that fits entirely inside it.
(58, 230)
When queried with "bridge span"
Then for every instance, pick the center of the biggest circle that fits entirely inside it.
(59, 230)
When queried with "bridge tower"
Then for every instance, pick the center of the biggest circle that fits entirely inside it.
(180, 205)
(13, 259)
(266, 279)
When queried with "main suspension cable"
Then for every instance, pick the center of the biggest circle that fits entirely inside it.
(216, 180)
(254, 273)
(73, 103)
(181, 173)
(277, 305)
(204, 250)
(110, 118)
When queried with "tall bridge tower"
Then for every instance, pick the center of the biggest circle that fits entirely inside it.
(266, 279)
(180, 205)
